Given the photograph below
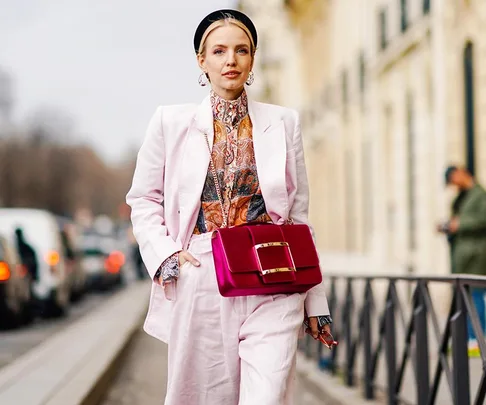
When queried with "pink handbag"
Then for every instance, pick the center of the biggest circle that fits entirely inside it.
(265, 259)
(255, 259)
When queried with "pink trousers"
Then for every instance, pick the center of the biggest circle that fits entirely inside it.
(230, 351)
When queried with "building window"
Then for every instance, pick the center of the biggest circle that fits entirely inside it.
(469, 106)
(426, 6)
(383, 31)
(411, 177)
(344, 90)
(388, 178)
(350, 201)
(403, 15)
(362, 73)
(367, 192)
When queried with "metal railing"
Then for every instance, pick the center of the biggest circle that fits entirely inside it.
(393, 322)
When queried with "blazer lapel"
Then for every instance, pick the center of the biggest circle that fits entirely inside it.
(194, 168)
(269, 141)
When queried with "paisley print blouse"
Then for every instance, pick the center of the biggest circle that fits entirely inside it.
(234, 161)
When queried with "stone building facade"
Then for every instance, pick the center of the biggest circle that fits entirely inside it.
(390, 92)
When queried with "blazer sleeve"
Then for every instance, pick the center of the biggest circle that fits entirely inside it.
(316, 302)
(146, 199)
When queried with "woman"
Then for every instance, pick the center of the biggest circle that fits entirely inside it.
(222, 351)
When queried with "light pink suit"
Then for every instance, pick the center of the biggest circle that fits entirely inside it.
(222, 351)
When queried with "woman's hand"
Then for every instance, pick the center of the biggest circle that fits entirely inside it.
(314, 327)
(185, 256)
(171, 267)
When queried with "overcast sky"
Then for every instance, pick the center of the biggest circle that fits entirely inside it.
(106, 63)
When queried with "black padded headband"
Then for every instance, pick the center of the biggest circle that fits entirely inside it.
(221, 15)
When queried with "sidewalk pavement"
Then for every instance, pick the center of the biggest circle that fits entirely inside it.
(142, 377)
(337, 393)
(70, 367)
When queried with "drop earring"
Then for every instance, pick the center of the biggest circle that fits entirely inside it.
(251, 79)
(203, 79)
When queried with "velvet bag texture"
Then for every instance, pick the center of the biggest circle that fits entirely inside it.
(259, 259)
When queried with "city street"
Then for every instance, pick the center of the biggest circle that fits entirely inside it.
(15, 343)
(131, 133)
(142, 377)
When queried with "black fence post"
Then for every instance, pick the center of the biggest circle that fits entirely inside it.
(335, 328)
(421, 346)
(348, 333)
(416, 339)
(368, 381)
(390, 344)
(460, 359)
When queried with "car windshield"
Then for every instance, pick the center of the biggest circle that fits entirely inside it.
(92, 243)
(39, 230)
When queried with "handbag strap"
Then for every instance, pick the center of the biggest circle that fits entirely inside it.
(216, 184)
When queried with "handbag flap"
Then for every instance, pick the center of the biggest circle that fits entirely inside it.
(271, 249)
(238, 249)
(239, 243)
(302, 246)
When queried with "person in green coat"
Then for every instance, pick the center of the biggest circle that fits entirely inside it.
(467, 230)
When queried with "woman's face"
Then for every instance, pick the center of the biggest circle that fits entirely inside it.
(227, 59)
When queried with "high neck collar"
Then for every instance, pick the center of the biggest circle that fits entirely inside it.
(229, 112)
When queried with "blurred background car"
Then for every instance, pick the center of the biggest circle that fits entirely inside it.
(72, 258)
(102, 257)
(35, 233)
(15, 288)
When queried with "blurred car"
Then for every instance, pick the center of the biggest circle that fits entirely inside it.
(101, 260)
(72, 258)
(15, 288)
(134, 268)
(50, 286)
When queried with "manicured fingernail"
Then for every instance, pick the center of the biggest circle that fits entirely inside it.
(198, 264)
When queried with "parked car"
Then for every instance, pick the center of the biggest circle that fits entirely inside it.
(15, 288)
(46, 265)
(72, 258)
(101, 260)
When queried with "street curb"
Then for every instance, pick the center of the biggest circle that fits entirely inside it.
(104, 381)
(328, 387)
(76, 365)
(106, 377)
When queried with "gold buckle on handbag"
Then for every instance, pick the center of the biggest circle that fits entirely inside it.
(277, 269)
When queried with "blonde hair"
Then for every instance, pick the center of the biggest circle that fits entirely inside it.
(220, 23)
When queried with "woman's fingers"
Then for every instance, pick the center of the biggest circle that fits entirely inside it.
(314, 327)
(185, 256)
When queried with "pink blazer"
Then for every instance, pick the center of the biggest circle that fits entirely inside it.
(169, 177)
